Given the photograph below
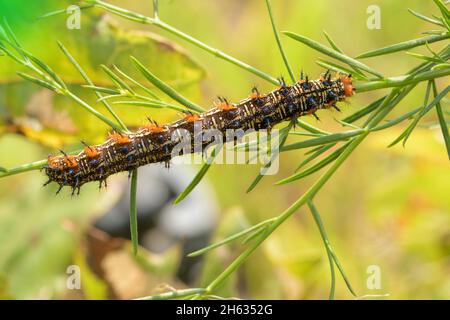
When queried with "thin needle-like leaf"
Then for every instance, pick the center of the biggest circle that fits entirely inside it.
(200, 174)
(405, 45)
(133, 212)
(332, 53)
(277, 38)
(231, 238)
(166, 88)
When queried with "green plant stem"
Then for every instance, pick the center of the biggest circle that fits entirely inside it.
(327, 245)
(160, 24)
(402, 81)
(174, 294)
(133, 212)
(37, 165)
(89, 81)
(277, 38)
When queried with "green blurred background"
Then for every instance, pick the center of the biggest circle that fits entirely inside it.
(388, 207)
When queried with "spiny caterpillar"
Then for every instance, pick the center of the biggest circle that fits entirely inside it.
(154, 143)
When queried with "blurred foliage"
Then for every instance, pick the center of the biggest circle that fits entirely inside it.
(386, 206)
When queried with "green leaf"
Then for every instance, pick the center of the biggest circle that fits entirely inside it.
(47, 70)
(309, 127)
(231, 238)
(425, 18)
(332, 53)
(403, 46)
(405, 134)
(340, 69)
(364, 111)
(335, 137)
(39, 82)
(280, 46)
(397, 120)
(175, 294)
(332, 43)
(444, 10)
(402, 81)
(119, 82)
(165, 88)
(319, 165)
(133, 212)
(314, 154)
(282, 139)
(103, 89)
(442, 122)
(200, 174)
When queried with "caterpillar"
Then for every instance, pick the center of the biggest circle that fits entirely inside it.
(153, 143)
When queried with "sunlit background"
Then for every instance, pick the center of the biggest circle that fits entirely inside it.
(386, 209)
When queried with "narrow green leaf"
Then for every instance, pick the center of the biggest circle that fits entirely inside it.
(147, 90)
(165, 88)
(319, 165)
(44, 67)
(119, 82)
(335, 137)
(9, 34)
(403, 46)
(63, 11)
(442, 122)
(331, 42)
(337, 68)
(39, 82)
(444, 10)
(309, 127)
(231, 238)
(397, 120)
(200, 174)
(121, 127)
(102, 89)
(133, 212)
(402, 81)
(280, 46)
(332, 53)
(423, 57)
(282, 139)
(425, 18)
(364, 111)
(313, 155)
(175, 294)
(441, 66)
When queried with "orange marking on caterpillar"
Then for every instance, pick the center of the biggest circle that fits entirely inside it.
(192, 118)
(71, 161)
(154, 128)
(91, 151)
(225, 106)
(254, 95)
(119, 138)
(348, 86)
(53, 162)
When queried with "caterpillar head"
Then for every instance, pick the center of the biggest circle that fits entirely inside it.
(348, 86)
(62, 170)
